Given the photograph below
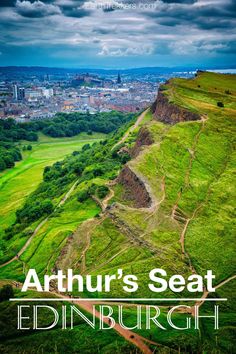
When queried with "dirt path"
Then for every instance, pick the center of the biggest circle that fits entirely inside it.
(88, 226)
(131, 129)
(107, 199)
(177, 214)
(68, 194)
(130, 336)
(26, 245)
(206, 293)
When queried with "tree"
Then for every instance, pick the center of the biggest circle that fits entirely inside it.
(2, 164)
(6, 292)
(47, 206)
(78, 168)
(82, 195)
(29, 147)
(220, 104)
(102, 191)
(9, 161)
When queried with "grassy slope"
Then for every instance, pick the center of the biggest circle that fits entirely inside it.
(196, 159)
(17, 183)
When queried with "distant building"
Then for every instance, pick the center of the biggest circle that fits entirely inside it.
(18, 93)
(21, 93)
(32, 95)
(47, 92)
(118, 79)
(15, 92)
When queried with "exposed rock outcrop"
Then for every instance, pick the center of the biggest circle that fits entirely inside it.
(144, 138)
(170, 113)
(136, 187)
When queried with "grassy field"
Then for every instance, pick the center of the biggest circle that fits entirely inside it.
(17, 183)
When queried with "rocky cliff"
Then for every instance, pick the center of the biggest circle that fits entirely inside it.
(135, 186)
(144, 138)
(167, 112)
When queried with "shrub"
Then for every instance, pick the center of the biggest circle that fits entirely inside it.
(220, 104)
(82, 195)
(102, 191)
(6, 292)
(2, 164)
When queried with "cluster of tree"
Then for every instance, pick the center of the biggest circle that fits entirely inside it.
(34, 211)
(27, 147)
(62, 125)
(6, 292)
(96, 160)
(66, 125)
(8, 155)
(99, 190)
(10, 133)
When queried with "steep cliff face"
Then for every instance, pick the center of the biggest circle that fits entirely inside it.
(167, 112)
(135, 186)
(144, 138)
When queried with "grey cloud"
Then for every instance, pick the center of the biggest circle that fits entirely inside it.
(72, 8)
(205, 16)
(75, 12)
(36, 9)
(179, 1)
(102, 30)
(7, 3)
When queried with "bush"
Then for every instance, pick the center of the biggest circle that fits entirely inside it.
(2, 164)
(220, 104)
(102, 191)
(6, 292)
(29, 147)
(83, 195)
(34, 210)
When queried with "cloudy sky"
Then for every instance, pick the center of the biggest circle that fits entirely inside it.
(113, 33)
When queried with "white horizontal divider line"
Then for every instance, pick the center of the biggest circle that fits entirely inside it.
(115, 300)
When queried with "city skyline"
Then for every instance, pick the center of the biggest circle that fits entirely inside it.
(117, 34)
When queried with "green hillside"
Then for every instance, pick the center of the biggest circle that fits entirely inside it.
(188, 171)
(17, 183)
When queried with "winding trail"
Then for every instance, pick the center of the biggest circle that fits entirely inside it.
(131, 129)
(105, 201)
(89, 225)
(206, 293)
(130, 336)
(26, 245)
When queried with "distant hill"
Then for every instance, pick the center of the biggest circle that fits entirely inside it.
(143, 70)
